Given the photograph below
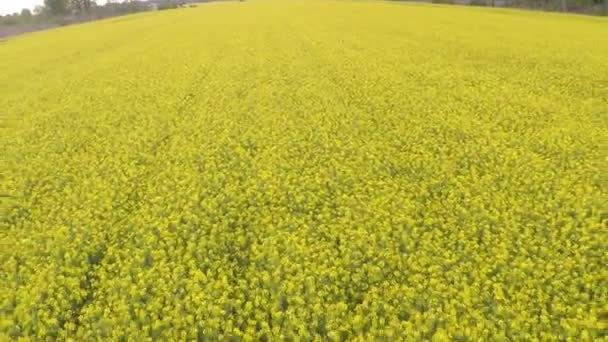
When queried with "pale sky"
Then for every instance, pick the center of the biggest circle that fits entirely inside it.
(12, 6)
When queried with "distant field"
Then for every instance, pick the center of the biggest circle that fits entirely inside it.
(306, 170)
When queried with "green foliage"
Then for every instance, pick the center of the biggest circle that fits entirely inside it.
(442, 1)
(56, 7)
(306, 170)
(167, 6)
(9, 20)
(26, 14)
(478, 3)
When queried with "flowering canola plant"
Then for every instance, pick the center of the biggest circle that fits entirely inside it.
(308, 171)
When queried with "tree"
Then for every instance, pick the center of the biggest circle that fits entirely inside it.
(26, 14)
(38, 10)
(81, 5)
(56, 7)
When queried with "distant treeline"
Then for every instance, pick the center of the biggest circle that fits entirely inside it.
(64, 12)
(593, 7)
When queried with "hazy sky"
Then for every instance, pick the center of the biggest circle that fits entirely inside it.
(12, 6)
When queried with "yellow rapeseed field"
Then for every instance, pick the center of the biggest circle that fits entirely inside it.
(306, 171)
